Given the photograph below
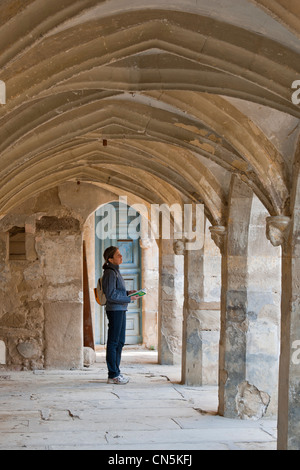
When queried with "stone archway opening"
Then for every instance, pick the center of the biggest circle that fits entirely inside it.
(140, 268)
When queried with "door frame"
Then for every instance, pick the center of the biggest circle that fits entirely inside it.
(101, 323)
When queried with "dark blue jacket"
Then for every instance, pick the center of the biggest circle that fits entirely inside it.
(114, 288)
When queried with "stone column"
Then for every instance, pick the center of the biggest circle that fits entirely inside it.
(192, 345)
(285, 231)
(170, 304)
(150, 274)
(201, 320)
(59, 248)
(249, 311)
(263, 313)
(219, 236)
(232, 358)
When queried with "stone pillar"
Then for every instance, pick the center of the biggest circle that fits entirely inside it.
(192, 317)
(59, 248)
(170, 304)
(263, 310)
(150, 274)
(232, 353)
(201, 319)
(249, 311)
(285, 231)
(210, 310)
(219, 236)
(89, 238)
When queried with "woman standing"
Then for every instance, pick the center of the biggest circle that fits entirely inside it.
(117, 301)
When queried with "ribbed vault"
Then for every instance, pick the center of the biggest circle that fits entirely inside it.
(285, 11)
(152, 80)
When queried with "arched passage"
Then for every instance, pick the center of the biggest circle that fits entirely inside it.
(182, 95)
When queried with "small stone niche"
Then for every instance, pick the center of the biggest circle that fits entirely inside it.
(17, 246)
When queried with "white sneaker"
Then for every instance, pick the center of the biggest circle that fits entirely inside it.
(120, 380)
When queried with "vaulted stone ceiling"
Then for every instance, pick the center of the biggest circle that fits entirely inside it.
(185, 94)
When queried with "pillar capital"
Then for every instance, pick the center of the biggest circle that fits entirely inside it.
(146, 243)
(277, 230)
(179, 247)
(218, 234)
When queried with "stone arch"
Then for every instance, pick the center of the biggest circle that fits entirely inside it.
(287, 14)
(156, 186)
(86, 72)
(156, 27)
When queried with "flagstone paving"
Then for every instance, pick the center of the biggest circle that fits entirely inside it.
(78, 410)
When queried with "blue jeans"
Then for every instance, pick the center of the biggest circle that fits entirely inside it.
(115, 341)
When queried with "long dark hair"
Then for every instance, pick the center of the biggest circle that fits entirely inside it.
(108, 253)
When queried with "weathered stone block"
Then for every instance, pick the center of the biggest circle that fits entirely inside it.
(15, 319)
(209, 319)
(61, 258)
(251, 403)
(210, 357)
(63, 335)
(67, 293)
(170, 349)
(55, 224)
(89, 356)
(29, 349)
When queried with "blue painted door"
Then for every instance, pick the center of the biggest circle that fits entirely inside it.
(111, 222)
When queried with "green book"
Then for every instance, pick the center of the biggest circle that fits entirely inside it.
(140, 292)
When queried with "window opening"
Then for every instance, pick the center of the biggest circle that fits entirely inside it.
(17, 248)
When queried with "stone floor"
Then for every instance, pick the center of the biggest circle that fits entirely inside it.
(78, 410)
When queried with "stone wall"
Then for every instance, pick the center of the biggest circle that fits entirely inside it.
(41, 293)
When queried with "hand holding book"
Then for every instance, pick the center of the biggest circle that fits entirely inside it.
(137, 293)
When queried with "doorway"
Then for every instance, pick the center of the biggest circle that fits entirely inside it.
(112, 226)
